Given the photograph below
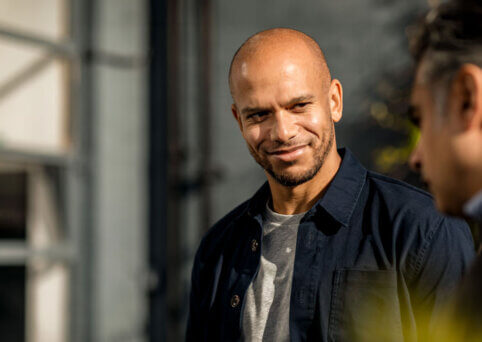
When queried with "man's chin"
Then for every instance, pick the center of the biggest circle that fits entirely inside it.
(292, 179)
(289, 181)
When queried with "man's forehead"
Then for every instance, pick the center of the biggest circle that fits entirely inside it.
(244, 69)
(252, 100)
(272, 78)
(266, 69)
(272, 50)
(419, 87)
(277, 41)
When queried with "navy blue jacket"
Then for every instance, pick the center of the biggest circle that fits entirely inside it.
(373, 258)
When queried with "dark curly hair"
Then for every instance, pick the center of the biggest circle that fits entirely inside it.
(449, 36)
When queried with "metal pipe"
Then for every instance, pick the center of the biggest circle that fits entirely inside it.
(79, 177)
(19, 253)
(206, 169)
(70, 50)
(25, 75)
(13, 156)
(158, 170)
(63, 48)
(174, 288)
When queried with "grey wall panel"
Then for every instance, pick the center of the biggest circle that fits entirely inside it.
(120, 172)
(120, 248)
(123, 28)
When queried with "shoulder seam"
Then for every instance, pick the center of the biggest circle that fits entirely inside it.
(387, 179)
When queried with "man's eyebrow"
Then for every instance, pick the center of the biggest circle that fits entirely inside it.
(249, 110)
(302, 98)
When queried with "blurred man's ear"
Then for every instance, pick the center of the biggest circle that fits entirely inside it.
(336, 100)
(466, 97)
(235, 112)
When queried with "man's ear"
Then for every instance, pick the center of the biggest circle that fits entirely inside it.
(236, 115)
(335, 98)
(466, 97)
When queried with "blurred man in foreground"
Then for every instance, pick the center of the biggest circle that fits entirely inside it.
(325, 250)
(447, 104)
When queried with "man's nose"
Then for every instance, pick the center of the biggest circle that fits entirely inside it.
(415, 160)
(283, 128)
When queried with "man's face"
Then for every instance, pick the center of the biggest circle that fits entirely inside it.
(434, 155)
(283, 111)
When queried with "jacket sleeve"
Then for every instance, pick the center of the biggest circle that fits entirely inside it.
(444, 257)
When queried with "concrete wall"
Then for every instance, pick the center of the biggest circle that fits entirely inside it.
(120, 172)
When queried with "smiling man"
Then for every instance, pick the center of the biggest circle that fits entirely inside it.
(325, 250)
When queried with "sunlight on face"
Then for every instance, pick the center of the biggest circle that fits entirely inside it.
(284, 117)
(433, 155)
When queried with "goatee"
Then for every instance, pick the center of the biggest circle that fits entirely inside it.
(290, 180)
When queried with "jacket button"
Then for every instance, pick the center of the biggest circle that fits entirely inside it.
(254, 245)
(235, 301)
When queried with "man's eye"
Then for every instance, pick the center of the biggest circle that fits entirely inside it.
(300, 105)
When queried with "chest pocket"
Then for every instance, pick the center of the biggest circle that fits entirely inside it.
(365, 306)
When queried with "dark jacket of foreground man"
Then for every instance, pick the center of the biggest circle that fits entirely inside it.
(374, 262)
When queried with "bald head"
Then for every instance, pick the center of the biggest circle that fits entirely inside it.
(271, 48)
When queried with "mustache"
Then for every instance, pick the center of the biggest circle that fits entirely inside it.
(280, 146)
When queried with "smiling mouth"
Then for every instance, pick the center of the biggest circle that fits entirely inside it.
(286, 150)
(288, 154)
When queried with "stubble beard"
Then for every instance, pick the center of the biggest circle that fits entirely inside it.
(291, 180)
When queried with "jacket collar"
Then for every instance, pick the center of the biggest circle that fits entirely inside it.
(339, 200)
(344, 190)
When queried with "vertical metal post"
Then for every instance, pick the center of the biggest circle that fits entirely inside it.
(79, 176)
(204, 89)
(158, 176)
(166, 158)
(176, 174)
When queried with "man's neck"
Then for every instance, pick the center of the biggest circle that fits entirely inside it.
(298, 199)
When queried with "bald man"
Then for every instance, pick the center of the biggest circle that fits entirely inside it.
(325, 250)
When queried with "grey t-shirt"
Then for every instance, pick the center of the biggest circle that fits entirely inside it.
(267, 305)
